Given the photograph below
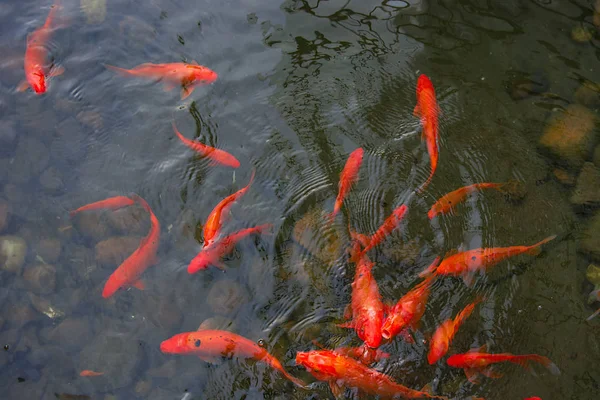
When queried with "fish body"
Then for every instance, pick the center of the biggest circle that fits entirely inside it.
(340, 371)
(448, 201)
(87, 372)
(209, 345)
(129, 272)
(387, 227)
(476, 362)
(112, 203)
(366, 305)
(365, 354)
(188, 76)
(216, 155)
(467, 263)
(427, 109)
(36, 56)
(348, 178)
(211, 254)
(216, 216)
(407, 312)
(441, 339)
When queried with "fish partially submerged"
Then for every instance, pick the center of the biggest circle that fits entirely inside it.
(427, 109)
(348, 178)
(447, 202)
(390, 223)
(112, 203)
(216, 155)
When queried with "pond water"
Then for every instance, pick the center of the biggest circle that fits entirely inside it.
(301, 84)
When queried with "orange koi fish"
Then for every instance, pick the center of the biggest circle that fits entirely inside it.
(113, 203)
(387, 227)
(365, 354)
(348, 178)
(594, 296)
(87, 372)
(533, 398)
(448, 201)
(467, 263)
(211, 254)
(188, 76)
(217, 156)
(218, 214)
(340, 371)
(209, 345)
(440, 342)
(36, 55)
(366, 305)
(408, 311)
(476, 362)
(129, 272)
(427, 108)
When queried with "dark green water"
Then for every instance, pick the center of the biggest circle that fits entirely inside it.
(301, 85)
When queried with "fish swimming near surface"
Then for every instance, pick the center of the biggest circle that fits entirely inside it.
(112, 203)
(341, 371)
(216, 156)
(467, 263)
(211, 254)
(218, 214)
(87, 372)
(210, 345)
(365, 354)
(477, 361)
(129, 272)
(348, 178)
(36, 64)
(427, 109)
(386, 228)
(187, 76)
(447, 202)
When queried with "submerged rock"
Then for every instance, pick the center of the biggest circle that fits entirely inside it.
(588, 94)
(317, 237)
(587, 191)
(46, 307)
(92, 225)
(40, 278)
(564, 176)
(113, 251)
(51, 180)
(520, 86)
(570, 135)
(593, 274)
(4, 214)
(13, 250)
(72, 334)
(218, 322)
(590, 242)
(30, 159)
(130, 220)
(582, 34)
(49, 250)
(226, 297)
(8, 138)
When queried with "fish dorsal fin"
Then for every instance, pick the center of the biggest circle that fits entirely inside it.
(482, 349)
(194, 62)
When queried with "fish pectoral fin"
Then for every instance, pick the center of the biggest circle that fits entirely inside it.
(472, 375)
(186, 91)
(23, 86)
(210, 359)
(220, 265)
(349, 325)
(468, 278)
(337, 390)
(482, 349)
(56, 71)
(417, 111)
(138, 285)
(348, 311)
(490, 373)
(168, 86)
(194, 62)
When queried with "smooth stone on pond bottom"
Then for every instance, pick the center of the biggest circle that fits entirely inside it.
(72, 334)
(4, 214)
(92, 225)
(46, 307)
(8, 138)
(587, 190)
(142, 388)
(564, 176)
(570, 135)
(593, 274)
(167, 370)
(49, 250)
(115, 354)
(51, 180)
(113, 251)
(10, 338)
(218, 322)
(31, 157)
(590, 241)
(226, 297)
(131, 220)
(13, 250)
(40, 278)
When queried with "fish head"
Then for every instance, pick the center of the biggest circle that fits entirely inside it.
(181, 343)
(203, 74)
(455, 360)
(113, 284)
(392, 325)
(437, 350)
(37, 81)
(424, 83)
(201, 262)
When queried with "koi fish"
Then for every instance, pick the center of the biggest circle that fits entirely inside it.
(217, 156)
(113, 203)
(36, 55)
(130, 271)
(188, 76)
(427, 108)
(216, 216)
(448, 201)
(440, 342)
(209, 345)
(387, 227)
(594, 296)
(467, 263)
(407, 312)
(366, 306)
(87, 372)
(365, 354)
(211, 254)
(340, 371)
(348, 178)
(533, 398)
(477, 362)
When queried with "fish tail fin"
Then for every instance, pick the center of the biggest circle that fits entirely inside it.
(466, 312)
(296, 381)
(422, 188)
(512, 189)
(535, 249)
(251, 178)
(591, 317)
(262, 228)
(179, 135)
(545, 361)
(122, 71)
(72, 213)
(431, 269)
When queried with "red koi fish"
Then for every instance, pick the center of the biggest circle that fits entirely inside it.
(533, 398)
(476, 362)
(387, 227)
(209, 345)
(366, 305)
(440, 342)
(340, 371)
(348, 178)
(36, 55)
(217, 215)
(113, 203)
(188, 76)
(365, 354)
(427, 108)
(594, 296)
(447, 202)
(129, 272)
(217, 156)
(408, 311)
(467, 263)
(87, 372)
(211, 254)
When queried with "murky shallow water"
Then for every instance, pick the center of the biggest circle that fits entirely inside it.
(301, 85)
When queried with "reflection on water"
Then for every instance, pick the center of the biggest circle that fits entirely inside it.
(301, 85)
